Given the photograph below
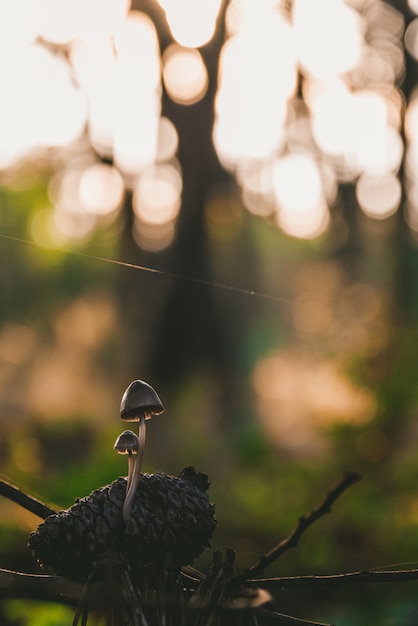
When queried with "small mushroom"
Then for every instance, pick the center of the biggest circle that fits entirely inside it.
(139, 403)
(128, 443)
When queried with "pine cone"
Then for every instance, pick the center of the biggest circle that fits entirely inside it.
(171, 521)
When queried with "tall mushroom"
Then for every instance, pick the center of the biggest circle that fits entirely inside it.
(139, 403)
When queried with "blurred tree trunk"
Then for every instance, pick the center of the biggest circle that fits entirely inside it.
(191, 331)
(173, 325)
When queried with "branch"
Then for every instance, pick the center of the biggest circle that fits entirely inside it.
(279, 619)
(41, 587)
(60, 589)
(27, 502)
(364, 576)
(304, 522)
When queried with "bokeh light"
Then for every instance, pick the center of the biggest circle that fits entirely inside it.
(256, 181)
(411, 38)
(379, 196)
(138, 87)
(157, 195)
(185, 75)
(17, 343)
(192, 23)
(353, 127)
(298, 397)
(121, 77)
(411, 162)
(41, 107)
(18, 24)
(328, 36)
(251, 103)
(167, 139)
(101, 189)
(83, 197)
(302, 209)
(348, 62)
(153, 237)
(63, 21)
(94, 64)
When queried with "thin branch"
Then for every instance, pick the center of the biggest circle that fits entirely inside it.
(363, 576)
(279, 619)
(24, 500)
(60, 589)
(304, 522)
(20, 585)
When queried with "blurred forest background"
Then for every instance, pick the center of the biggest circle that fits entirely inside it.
(220, 198)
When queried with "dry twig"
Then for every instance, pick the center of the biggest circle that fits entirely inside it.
(293, 539)
(24, 500)
(337, 580)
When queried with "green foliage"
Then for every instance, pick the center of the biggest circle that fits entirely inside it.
(37, 613)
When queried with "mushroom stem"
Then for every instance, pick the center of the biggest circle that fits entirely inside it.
(130, 492)
(131, 468)
(135, 462)
(141, 441)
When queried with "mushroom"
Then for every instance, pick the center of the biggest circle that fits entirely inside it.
(128, 443)
(139, 403)
(140, 400)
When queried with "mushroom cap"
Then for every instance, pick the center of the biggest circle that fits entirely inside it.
(140, 400)
(126, 443)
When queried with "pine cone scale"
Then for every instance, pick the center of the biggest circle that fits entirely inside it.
(171, 517)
